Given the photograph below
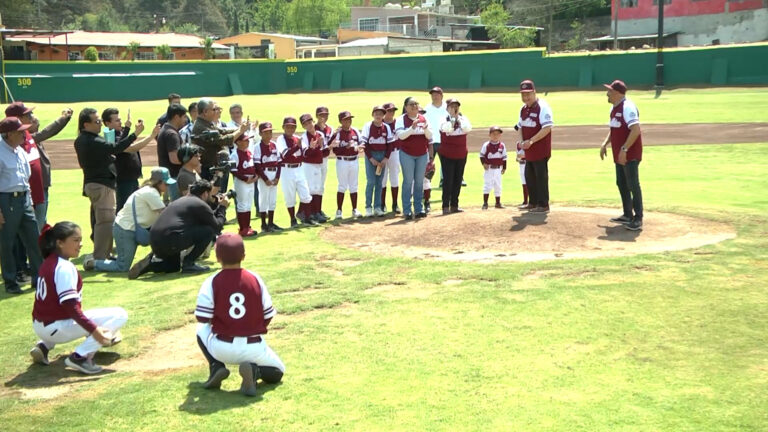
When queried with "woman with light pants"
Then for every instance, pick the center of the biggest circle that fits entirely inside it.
(144, 206)
(377, 138)
(416, 150)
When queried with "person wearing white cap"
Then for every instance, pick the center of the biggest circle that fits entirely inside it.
(142, 208)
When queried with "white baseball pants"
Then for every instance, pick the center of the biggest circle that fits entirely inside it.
(267, 194)
(492, 181)
(314, 174)
(63, 331)
(522, 172)
(392, 170)
(294, 182)
(245, 193)
(239, 350)
(325, 170)
(347, 173)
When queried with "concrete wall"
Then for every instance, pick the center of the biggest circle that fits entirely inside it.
(394, 46)
(735, 27)
(285, 48)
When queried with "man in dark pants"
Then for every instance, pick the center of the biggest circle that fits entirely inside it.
(168, 143)
(187, 222)
(536, 138)
(16, 214)
(627, 148)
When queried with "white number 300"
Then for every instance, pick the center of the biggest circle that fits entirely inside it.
(237, 305)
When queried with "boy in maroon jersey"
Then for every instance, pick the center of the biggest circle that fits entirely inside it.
(234, 309)
(244, 172)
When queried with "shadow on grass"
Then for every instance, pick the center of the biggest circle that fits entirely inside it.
(56, 374)
(528, 219)
(202, 401)
(618, 233)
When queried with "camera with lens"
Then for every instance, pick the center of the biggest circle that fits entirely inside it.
(231, 194)
(223, 164)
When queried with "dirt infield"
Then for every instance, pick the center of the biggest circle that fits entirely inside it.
(511, 235)
(63, 156)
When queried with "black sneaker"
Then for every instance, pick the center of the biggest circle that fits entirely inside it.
(274, 227)
(217, 376)
(265, 228)
(40, 354)
(408, 216)
(317, 217)
(140, 267)
(294, 223)
(485, 206)
(427, 207)
(22, 277)
(421, 215)
(13, 289)
(396, 209)
(82, 364)
(324, 216)
(621, 219)
(635, 225)
(194, 268)
(446, 211)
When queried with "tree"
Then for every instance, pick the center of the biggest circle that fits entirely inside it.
(132, 49)
(163, 52)
(268, 15)
(496, 19)
(315, 17)
(91, 54)
(207, 44)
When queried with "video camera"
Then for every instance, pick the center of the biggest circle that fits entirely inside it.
(223, 163)
(209, 135)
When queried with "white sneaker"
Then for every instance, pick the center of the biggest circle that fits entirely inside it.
(338, 215)
(356, 214)
(378, 212)
(368, 212)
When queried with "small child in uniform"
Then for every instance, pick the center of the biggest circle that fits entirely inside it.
(244, 172)
(493, 156)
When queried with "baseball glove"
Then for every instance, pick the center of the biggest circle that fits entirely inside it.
(430, 170)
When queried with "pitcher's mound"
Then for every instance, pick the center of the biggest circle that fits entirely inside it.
(511, 235)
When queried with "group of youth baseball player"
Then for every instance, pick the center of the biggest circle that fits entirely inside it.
(234, 307)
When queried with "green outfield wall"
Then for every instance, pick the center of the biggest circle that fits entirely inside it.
(489, 70)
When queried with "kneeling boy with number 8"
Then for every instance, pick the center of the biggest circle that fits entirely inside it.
(234, 309)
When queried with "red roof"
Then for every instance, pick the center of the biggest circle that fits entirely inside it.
(152, 40)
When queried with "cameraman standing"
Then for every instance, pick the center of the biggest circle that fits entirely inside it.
(207, 134)
(187, 222)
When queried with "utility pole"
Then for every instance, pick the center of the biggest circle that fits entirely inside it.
(616, 25)
(660, 51)
(551, 29)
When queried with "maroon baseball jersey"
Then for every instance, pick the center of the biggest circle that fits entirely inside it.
(58, 282)
(244, 167)
(377, 138)
(266, 156)
(532, 120)
(624, 115)
(290, 149)
(236, 302)
(35, 169)
(327, 132)
(494, 154)
(314, 156)
(349, 140)
(417, 143)
(453, 144)
(396, 142)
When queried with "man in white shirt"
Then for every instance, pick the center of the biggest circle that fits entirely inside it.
(236, 116)
(436, 113)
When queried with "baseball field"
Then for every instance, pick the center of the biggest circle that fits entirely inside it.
(484, 321)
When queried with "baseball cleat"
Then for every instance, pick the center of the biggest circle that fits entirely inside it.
(40, 354)
(499, 205)
(485, 206)
(217, 376)
(294, 223)
(384, 208)
(623, 219)
(325, 216)
(339, 215)
(356, 214)
(248, 386)
(396, 209)
(117, 337)
(82, 364)
(274, 227)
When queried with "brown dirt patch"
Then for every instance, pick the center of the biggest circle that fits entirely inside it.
(62, 152)
(510, 235)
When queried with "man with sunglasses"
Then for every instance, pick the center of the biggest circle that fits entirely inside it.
(96, 157)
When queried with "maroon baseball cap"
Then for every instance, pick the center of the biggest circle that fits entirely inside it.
(305, 118)
(495, 129)
(616, 85)
(378, 108)
(266, 126)
(230, 248)
(321, 110)
(452, 101)
(17, 109)
(12, 124)
(289, 121)
(389, 106)
(345, 115)
(527, 86)
(436, 89)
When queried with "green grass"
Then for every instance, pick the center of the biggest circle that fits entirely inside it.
(659, 342)
(483, 109)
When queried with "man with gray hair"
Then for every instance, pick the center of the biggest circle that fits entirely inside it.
(213, 139)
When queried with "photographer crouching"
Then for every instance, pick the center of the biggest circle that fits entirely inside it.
(188, 222)
(207, 134)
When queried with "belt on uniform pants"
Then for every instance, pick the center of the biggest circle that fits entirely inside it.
(230, 339)
(14, 194)
(46, 323)
(348, 158)
(291, 165)
(270, 169)
(495, 167)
